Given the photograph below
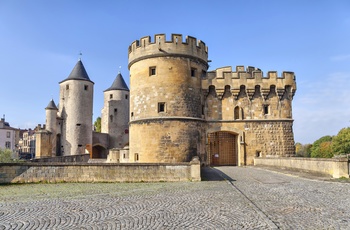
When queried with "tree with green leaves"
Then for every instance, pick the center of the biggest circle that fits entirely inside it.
(318, 150)
(325, 150)
(5, 155)
(341, 142)
(302, 150)
(97, 125)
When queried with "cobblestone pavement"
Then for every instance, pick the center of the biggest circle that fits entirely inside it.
(248, 198)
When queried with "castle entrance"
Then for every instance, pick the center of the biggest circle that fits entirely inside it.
(99, 151)
(223, 148)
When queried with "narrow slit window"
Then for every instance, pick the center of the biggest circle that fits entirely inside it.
(193, 72)
(86, 87)
(126, 96)
(110, 96)
(67, 87)
(266, 109)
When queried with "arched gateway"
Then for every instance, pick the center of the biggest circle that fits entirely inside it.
(223, 149)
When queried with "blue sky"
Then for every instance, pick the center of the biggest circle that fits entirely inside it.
(40, 42)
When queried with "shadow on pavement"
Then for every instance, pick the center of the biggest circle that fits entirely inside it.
(213, 174)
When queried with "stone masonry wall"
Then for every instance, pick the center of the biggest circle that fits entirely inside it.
(336, 167)
(163, 140)
(269, 138)
(88, 172)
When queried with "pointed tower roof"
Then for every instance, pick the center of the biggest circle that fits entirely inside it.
(118, 84)
(78, 73)
(51, 105)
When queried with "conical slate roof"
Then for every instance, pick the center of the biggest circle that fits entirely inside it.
(118, 84)
(78, 73)
(51, 105)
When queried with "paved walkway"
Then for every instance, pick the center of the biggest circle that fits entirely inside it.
(248, 198)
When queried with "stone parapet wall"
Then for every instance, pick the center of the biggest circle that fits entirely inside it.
(85, 172)
(70, 158)
(336, 167)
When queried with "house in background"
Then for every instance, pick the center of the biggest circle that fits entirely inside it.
(8, 136)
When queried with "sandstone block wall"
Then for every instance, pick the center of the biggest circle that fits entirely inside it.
(70, 158)
(87, 172)
(166, 140)
(336, 167)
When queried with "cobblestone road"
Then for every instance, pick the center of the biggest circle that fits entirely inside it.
(249, 198)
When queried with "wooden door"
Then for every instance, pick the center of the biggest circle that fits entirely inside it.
(223, 148)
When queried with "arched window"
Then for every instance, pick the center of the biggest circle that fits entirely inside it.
(236, 113)
(212, 90)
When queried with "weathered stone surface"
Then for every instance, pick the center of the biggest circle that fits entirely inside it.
(98, 172)
(249, 198)
(336, 167)
(170, 85)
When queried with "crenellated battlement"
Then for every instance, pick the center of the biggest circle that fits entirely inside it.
(249, 78)
(160, 47)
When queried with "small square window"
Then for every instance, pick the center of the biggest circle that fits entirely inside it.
(152, 71)
(193, 72)
(126, 96)
(161, 107)
(86, 87)
(110, 96)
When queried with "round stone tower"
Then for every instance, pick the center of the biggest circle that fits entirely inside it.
(166, 106)
(51, 117)
(51, 124)
(75, 109)
(115, 113)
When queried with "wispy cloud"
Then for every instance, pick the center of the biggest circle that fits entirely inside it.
(322, 107)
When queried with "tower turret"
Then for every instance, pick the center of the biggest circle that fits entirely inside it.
(115, 113)
(51, 124)
(165, 98)
(51, 117)
(75, 109)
